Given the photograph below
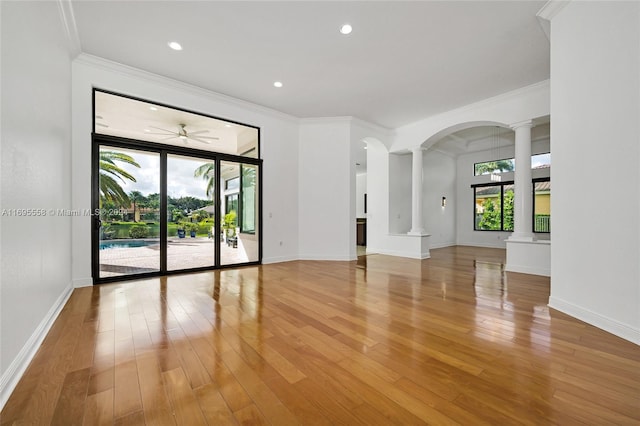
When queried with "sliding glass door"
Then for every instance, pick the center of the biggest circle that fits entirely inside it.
(162, 211)
(191, 184)
(239, 205)
(128, 203)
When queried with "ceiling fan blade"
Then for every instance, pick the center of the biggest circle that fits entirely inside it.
(160, 134)
(170, 137)
(206, 137)
(164, 130)
(101, 125)
(199, 140)
(198, 132)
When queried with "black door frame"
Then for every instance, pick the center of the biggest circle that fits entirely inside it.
(98, 140)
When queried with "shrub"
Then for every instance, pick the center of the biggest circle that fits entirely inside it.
(188, 226)
(139, 231)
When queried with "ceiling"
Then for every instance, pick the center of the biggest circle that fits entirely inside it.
(484, 138)
(135, 119)
(403, 61)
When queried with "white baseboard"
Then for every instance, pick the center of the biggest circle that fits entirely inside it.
(527, 270)
(397, 253)
(605, 323)
(82, 282)
(442, 245)
(16, 369)
(278, 259)
(333, 258)
(500, 245)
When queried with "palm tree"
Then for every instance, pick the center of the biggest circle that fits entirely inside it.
(207, 172)
(110, 189)
(139, 201)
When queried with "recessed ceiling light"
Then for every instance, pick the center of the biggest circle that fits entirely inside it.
(227, 125)
(346, 29)
(147, 130)
(175, 45)
(153, 108)
(277, 84)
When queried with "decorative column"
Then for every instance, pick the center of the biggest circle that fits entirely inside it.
(523, 197)
(416, 193)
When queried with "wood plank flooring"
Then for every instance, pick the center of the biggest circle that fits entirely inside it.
(384, 340)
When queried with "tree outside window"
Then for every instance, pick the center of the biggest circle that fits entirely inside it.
(494, 207)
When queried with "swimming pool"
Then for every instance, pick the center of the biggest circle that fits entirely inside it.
(111, 244)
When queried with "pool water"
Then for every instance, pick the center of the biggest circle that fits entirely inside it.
(111, 244)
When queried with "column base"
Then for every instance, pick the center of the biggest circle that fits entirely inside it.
(524, 237)
(529, 257)
(417, 232)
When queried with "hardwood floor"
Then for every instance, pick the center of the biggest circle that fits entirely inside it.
(385, 340)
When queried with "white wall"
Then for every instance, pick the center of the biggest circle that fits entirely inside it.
(327, 219)
(399, 193)
(466, 236)
(439, 174)
(279, 149)
(361, 189)
(595, 105)
(36, 160)
(377, 196)
(377, 139)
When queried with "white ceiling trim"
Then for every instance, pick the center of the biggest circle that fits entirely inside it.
(552, 8)
(71, 30)
(492, 101)
(107, 65)
(390, 133)
(548, 12)
(324, 120)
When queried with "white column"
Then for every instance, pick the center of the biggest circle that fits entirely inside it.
(523, 197)
(416, 193)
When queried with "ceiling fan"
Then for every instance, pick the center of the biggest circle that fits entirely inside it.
(183, 134)
(99, 117)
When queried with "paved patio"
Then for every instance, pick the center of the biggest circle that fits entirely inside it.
(182, 253)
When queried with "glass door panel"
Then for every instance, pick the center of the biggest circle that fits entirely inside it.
(129, 234)
(249, 211)
(239, 211)
(230, 244)
(190, 212)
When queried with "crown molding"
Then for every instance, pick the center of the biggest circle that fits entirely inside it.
(374, 127)
(548, 12)
(128, 71)
(379, 130)
(327, 120)
(551, 9)
(71, 30)
(488, 102)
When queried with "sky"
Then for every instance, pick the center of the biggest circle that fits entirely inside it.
(180, 179)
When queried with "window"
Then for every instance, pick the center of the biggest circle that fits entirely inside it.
(542, 205)
(541, 161)
(231, 203)
(538, 161)
(249, 199)
(231, 184)
(497, 166)
(493, 207)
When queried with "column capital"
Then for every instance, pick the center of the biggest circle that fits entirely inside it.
(525, 123)
(416, 150)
